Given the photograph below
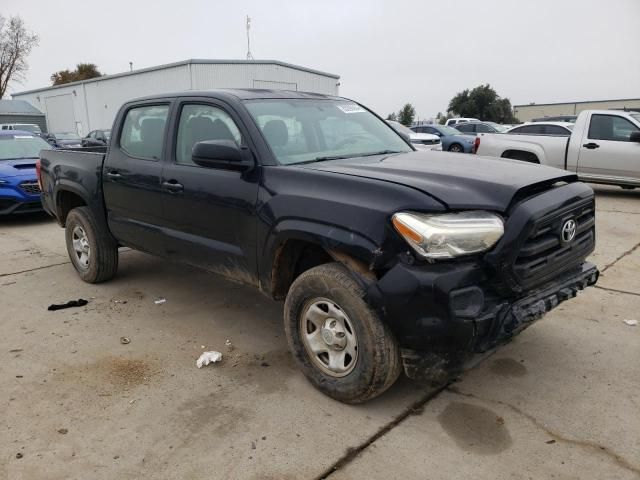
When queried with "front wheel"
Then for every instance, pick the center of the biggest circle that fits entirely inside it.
(94, 256)
(339, 342)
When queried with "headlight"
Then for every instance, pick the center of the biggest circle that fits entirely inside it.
(451, 234)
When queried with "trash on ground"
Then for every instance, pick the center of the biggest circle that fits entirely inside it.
(160, 300)
(63, 431)
(208, 357)
(631, 322)
(81, 302)
(550, 442)
(229, 345)
(125, 340)
(18, 455)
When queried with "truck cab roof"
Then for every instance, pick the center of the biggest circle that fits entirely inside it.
(242, 94)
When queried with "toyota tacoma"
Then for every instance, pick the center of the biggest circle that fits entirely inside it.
(387, 258)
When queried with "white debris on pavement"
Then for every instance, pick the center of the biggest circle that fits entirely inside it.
(632, 322)
(160, 301)
(208, 357)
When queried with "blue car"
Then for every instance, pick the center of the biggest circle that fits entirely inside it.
(452, 139)
(19, 190)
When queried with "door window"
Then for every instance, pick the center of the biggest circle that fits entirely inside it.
(199, 123)
(611, 127)
(143, 131)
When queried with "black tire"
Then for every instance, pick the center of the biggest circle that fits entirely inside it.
(102, 262)
(456, 148)
(377, 365)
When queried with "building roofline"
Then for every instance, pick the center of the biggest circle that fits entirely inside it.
(191, 61)
(576, 103)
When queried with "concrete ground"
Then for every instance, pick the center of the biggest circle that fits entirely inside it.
(561, 401)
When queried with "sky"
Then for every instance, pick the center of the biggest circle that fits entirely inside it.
(387, 53)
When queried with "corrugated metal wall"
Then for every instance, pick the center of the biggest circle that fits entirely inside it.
(526, 113)
(93, 104)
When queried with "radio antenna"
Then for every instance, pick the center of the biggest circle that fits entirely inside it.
(249, 56)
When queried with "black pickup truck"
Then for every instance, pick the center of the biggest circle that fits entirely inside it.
(387, 258)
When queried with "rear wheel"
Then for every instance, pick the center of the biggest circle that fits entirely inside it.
(94, 256)
(456, 148)
(339, 342)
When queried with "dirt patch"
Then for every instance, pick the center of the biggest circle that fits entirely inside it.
(475, 429)
(109, 374)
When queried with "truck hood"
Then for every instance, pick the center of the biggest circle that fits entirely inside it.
(14, 168)
(460, 181)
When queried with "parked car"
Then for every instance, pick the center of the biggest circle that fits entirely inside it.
(64, 140)
(603, 147)
(422, 141)
(543, 128)
(97, 138)
(452, 139)
(387, 257)
(24, 127)
(19, 190)
(557, 118)
(452, 122)
(473, 128)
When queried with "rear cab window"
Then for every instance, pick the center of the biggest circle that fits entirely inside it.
(142, 134)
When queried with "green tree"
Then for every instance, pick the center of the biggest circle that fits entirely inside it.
(392, 116)
(484, 103)
(16, 43)
(406, 115)
(83, 71)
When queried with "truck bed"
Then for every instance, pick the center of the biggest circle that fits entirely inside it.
(549, 150)
(79, 170)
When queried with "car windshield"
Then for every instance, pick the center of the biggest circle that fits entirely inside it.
(448, 130)
(570, 127)
(14, 147)
(400, 128)
(313, 130)
(636, 116)
(107, 134)
(28, 128)
(67, 136)
(498, 127)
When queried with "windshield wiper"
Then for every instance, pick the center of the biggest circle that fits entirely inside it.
(341, 157)
(381, 152)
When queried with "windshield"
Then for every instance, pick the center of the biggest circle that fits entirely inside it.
(14, 147)
(309, 130)
(28, 128)
(400, 128)
(498, 127)
(107, 134)
(66, 136)
(448, 130)
(636, 116)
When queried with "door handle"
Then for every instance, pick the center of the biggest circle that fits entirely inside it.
(591, 145)
(113, 174)
(173, 186)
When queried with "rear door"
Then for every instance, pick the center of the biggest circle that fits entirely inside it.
(210, 212)
(606, 151)
(131, 177)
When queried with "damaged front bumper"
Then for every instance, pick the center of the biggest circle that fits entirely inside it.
(443, 328)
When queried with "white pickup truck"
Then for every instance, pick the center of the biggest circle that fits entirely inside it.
(604, 147)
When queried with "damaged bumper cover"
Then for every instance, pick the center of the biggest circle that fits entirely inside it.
(443, 329)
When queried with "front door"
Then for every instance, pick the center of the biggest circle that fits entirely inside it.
(605, 150)
(131, 178)
(210, 212)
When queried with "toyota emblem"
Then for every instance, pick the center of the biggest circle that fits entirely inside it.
(568, 230)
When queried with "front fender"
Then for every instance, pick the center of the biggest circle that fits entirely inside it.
(330, 237)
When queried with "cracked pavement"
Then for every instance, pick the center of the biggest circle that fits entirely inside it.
(561, 401)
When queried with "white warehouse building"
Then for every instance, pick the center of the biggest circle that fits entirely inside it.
(92, 104)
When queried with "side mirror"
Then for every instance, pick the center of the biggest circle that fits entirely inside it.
(634, 137)
(222, 154)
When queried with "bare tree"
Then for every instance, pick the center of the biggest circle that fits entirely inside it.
(16, 43)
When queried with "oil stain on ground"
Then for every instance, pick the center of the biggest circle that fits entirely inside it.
(475, 429)
(508, 367)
